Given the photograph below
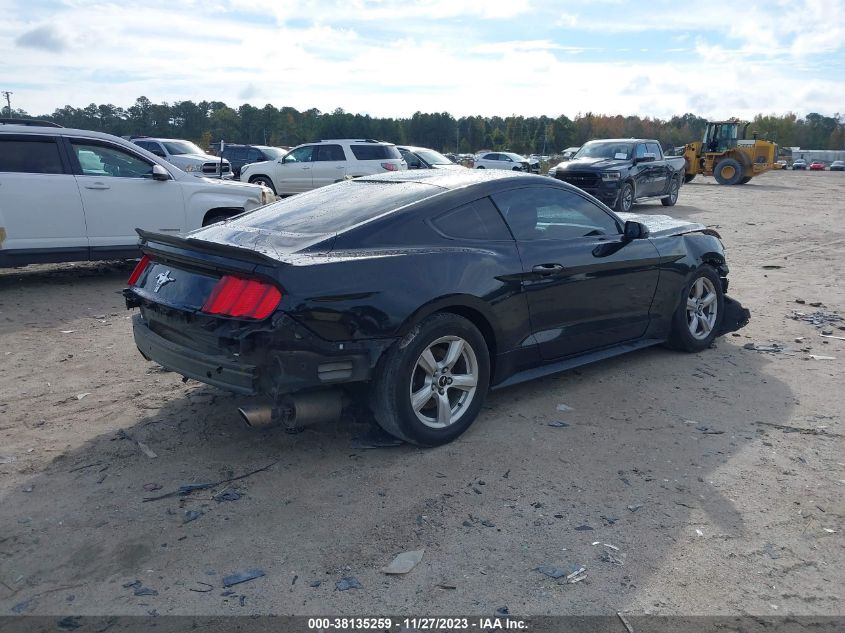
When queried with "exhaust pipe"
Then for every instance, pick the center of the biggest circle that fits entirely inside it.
(296, 410)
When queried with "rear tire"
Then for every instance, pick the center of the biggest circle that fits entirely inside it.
(699, 313)
(728, 171)
(688, 177)
(430, 386)
(672, 198)
(265, 181)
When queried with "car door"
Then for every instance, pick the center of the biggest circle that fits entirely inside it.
(328, 165)
(120, 195)
(642, 172)
(293, 171)
(40, 204)
(587, 286)
(660, 173)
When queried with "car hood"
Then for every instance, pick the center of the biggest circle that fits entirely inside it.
(590, 164)
(665, 225)
(200, 158)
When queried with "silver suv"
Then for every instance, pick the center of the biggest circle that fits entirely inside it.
(313, 165)
(186, 156)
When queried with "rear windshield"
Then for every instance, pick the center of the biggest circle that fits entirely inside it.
(336, 207)
(375, 152)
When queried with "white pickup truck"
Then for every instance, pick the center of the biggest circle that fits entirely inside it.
(76, 195)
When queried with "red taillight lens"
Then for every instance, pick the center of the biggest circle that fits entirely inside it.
(136, 274)
(390, 166)
(238, 297)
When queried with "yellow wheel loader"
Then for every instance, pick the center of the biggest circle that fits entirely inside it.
(730, 158)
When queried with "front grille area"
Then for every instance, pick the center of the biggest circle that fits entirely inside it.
(581, 179)
(213, 168)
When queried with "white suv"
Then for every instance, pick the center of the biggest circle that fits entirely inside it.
(71, 195)
(501, 160)
(186, 156)
(313, 165)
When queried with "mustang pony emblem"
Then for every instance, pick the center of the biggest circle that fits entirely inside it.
(163, 279)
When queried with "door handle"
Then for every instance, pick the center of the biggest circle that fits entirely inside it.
(546, 270)
(340, 167)
(97, 185)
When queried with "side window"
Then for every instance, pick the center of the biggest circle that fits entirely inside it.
(330, 152)
(374, 152)
(36, 156)
(238, 154)
(477, 220)
(640, 150)
(550, 213)
(300, 155)
(103, 160)
(255, 155)
(653, 148)
(151, 146)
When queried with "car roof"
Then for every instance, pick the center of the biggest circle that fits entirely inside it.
(458, 179)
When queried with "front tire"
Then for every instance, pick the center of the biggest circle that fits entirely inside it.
(699, 314)
(266, 181)
(626, 199)
(744, 180)
(688, 177)
(728, 171)
(672, 198)
(430, 386)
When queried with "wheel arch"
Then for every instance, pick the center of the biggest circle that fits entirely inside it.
(227, 211)
(471, 308)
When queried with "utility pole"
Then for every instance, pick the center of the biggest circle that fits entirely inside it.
(8, 95)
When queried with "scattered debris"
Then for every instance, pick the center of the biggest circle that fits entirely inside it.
(699, 532)
(204, 589)
(819, 318)
(404, 562)
(577, 576)
(146, 450)
(239, 577)
(635, 508)
(447, 585)
(375, 438)
(583, 528)
(144, 591)
(487, 523)
(69, 623)
(80, 396)
(773, 348)
(820, 357)
(708, 431)
(23, 606)
(191, 515)
(563, 407)
(503, 611)
(230, 494)
(769, 549)
(829, 530)
(795, 429)
(625, 622)
(315, 583)
(558, 424)
(152, 486)
(189, 488)
(610, 557)
(348, 582)
(771, 267)
(830, 335)
(551, 571)
(67, 331)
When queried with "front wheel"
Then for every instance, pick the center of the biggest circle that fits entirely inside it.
(626, 198)
(697, 319)
(430, 385)
(672, 198)
(728, 171)
(265, 181)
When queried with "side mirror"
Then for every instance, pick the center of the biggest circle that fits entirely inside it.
(635, 230)
(647, 158)
(160, 173)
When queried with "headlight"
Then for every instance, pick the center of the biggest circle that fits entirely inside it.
(193, 168)
(610, 175)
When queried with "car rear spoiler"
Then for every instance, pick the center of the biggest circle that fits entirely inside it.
(150, 240)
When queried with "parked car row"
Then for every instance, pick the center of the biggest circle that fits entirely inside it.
(71, 195)
(816, 165)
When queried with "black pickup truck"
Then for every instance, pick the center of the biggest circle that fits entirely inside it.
(621, 171)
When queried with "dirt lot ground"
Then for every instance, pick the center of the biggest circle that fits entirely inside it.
(718, 477)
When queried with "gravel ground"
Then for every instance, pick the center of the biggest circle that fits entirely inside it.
(708, 483)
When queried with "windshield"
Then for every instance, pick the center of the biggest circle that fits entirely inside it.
(432, 157)
(181, 147)
(274, 152)
(601, 149)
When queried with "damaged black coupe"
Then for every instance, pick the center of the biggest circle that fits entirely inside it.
(423, 290)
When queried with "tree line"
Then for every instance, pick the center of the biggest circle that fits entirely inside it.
(210, 121)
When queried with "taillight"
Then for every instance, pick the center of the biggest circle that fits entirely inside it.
(136, 274)
(238, 297)
(390, 166)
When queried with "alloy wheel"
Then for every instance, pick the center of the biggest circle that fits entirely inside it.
(702, 308)
(443, 382)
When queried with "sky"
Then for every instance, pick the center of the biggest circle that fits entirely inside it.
(392, 58)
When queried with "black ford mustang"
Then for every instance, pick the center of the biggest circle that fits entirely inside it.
(430, 286)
